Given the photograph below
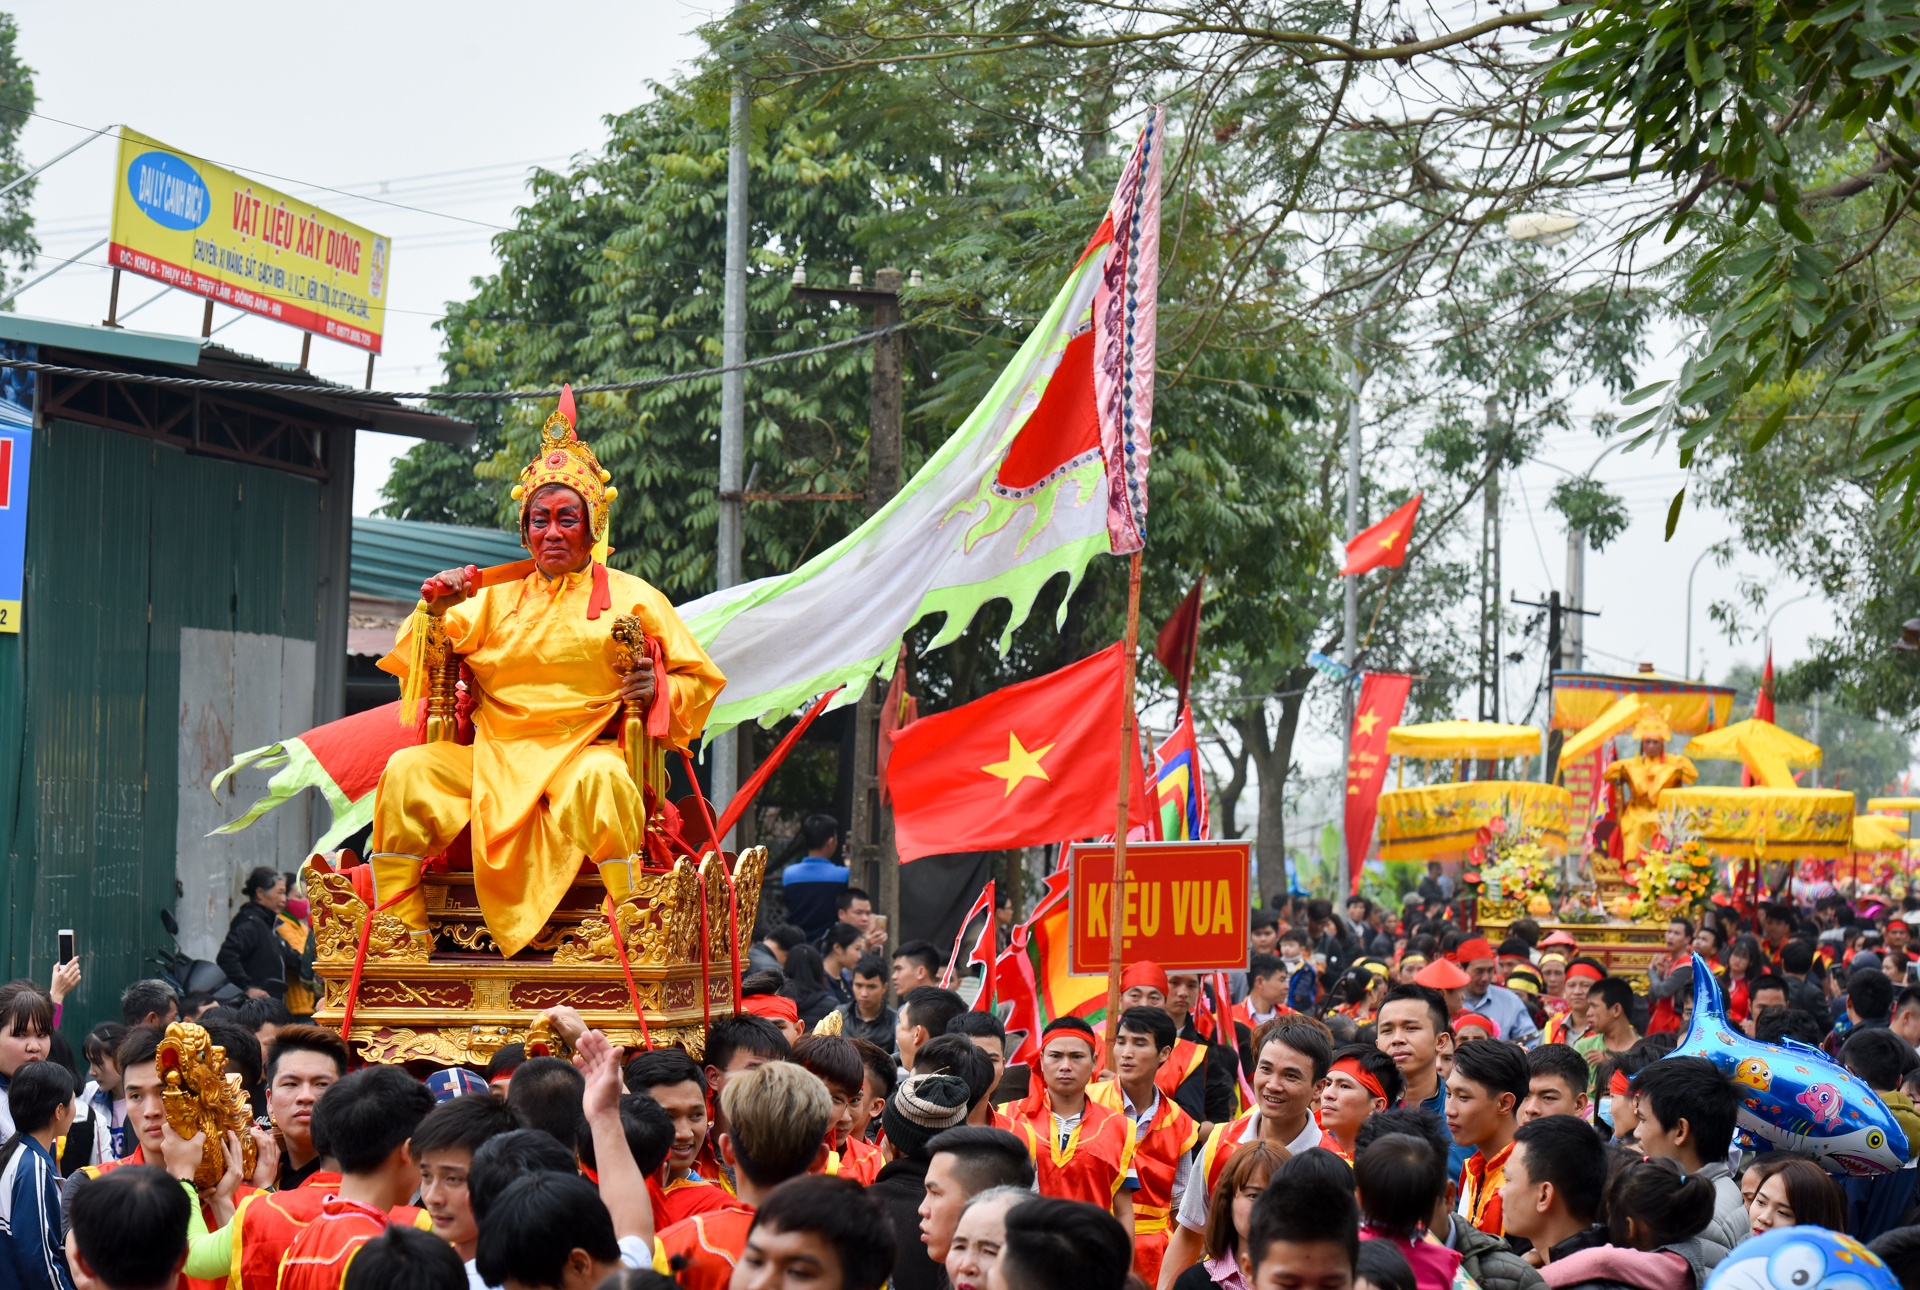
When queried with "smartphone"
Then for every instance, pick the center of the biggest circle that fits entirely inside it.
(66, 945)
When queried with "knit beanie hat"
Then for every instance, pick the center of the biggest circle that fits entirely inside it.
(923, 1107)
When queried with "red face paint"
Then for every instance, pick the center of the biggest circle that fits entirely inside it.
(558, 532)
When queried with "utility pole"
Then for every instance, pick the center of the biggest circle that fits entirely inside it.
(1576, 598)
(1350, 650)
(869, 831)
(1562, 621)
(1489, 679)
(724, 768)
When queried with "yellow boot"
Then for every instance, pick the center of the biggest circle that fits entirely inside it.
(394, 872)
(617, 877)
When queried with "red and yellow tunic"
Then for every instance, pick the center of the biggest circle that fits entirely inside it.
(1219, 1149)
(245, 1193)
(710, 1245)
(1187, 1060)
(1158, 1149)
(1480, 1184)
(266, 1224)
(320, 1253)
(860, 1161)
(1093, 1163)
(683, 1198)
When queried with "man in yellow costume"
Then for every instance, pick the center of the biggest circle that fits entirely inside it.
(543, 785)
(1639, 781)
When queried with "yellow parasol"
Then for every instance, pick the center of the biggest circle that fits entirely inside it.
(1615, 720)
(1756, 738)
(1878, 805)
(1463, 740)
(1871, 833)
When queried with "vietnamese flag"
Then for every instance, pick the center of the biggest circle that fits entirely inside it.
(1033, 763)
(1383, 697)
(1384, 546)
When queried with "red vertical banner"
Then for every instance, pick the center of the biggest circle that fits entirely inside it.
(1582, 779)
(1383, 698)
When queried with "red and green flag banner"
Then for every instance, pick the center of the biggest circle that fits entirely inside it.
(342, 759)
(1383, 698)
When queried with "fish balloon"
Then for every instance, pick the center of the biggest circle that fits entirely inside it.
(1794, 1097)
(1802, 1258)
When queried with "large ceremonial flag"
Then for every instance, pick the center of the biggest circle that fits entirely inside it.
(1179, 785)
(1047, 472)
(343, 759)
(1384, 546)
(1029, 764)
(1383, 697)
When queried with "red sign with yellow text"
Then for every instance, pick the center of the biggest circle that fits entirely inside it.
(1185, 905)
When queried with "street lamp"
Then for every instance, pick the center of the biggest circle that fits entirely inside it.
(1766, 633)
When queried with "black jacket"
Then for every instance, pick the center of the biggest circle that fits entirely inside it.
(253, 956)
(1223, 1078)
(900, 1187)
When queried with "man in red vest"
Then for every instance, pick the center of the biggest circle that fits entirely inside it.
(1083, 1151)
(156, 1144)
(1163, 1134)
(365, 1121)
(777, 1117)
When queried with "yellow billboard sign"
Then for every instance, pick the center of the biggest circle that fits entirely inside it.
(202, 228)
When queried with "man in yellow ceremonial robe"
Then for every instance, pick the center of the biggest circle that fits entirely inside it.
(1639, 781)
(543, 785)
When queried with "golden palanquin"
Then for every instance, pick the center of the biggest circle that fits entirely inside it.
(462, 1002)
(1441, 820)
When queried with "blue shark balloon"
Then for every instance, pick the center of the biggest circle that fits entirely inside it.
(1802, 1258)
(1793, 1097)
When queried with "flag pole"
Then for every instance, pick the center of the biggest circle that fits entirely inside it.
(1129, 750)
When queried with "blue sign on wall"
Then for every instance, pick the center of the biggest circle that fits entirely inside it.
(16, 448)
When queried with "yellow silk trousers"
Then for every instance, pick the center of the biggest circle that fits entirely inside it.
(591, 809)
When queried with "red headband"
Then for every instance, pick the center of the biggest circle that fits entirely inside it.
(1148, 973)
(1352, 1066)
(1586, 971)
(773, 1007)
(1619, 1085)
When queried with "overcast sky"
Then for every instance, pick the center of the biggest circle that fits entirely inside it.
(444, 109)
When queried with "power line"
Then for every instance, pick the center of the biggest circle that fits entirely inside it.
(285, 179)
(444, 396)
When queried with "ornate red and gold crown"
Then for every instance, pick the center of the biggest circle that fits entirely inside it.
(566, 460)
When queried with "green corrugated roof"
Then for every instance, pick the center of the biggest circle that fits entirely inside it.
(391, 558)
(118, 342)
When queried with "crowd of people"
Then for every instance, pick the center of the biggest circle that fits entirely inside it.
(1389, 1101)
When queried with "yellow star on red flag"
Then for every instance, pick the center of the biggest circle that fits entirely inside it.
(1020, 764)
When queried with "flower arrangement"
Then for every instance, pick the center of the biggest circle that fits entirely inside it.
(1515, 874)
(1517, 866)
(1674, 880)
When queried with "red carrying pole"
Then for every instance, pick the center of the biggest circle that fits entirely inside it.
(1129, 750)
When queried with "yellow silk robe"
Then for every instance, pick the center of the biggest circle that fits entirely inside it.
(547, 691)
(1642, 781)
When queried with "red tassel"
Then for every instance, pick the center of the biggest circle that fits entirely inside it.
(660, 711)
(566, 406)
(602, 597)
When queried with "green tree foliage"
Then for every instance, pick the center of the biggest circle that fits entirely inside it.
(17, 99)
(988, 172)
(1786, 134)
